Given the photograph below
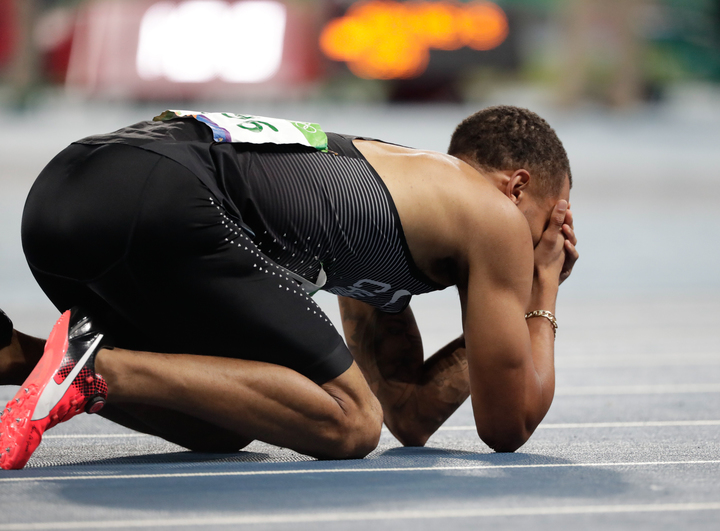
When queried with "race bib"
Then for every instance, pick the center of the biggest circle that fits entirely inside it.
(246, 128)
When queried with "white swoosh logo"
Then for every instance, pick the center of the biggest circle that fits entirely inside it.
(310, 287)
(396, 297)
(53, 392)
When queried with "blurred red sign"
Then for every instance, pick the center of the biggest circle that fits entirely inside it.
(193, 48)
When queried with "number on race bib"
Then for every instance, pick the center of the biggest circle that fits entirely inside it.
(247, 128)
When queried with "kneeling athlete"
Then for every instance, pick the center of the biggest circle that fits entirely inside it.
(188, 247)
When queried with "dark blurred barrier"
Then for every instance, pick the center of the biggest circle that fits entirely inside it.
(269, 48)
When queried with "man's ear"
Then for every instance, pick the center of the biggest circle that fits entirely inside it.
(517, 186)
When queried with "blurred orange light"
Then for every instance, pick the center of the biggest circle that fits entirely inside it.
(384, 39)
(483, 26)
(436, 23)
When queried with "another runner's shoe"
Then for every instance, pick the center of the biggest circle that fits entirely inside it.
(6, 330)
(62, 385)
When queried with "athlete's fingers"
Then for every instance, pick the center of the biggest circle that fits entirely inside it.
(571, 256)
(569, 217)
(570, 234)
(571, 252)
(557, 219)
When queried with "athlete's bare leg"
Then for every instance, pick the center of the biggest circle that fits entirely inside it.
(255, 400)
(19, 358)
(221, 404)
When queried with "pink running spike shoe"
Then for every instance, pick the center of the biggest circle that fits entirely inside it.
(62, 385)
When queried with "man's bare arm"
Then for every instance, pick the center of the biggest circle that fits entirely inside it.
(417, 396)
(511, 360)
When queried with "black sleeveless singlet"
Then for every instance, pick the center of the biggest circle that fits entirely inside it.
(325, 217)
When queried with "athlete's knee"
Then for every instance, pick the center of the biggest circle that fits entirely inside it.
(366, 427)
(354, 431)
(352, 435)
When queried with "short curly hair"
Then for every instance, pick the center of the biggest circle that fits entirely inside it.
(511, 138)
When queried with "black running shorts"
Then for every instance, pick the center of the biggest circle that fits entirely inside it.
(138, 241)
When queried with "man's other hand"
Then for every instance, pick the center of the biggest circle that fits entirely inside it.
(555, 254)
(571, 254)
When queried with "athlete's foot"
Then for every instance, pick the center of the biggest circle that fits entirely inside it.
(19, 353)
(62, 385)
(6, 330)
(11, 360)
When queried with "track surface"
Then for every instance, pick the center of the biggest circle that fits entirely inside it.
(632, 440)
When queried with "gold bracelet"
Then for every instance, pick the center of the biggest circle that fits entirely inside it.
(547, 315)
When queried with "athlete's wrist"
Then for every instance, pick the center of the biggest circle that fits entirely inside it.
(544, 293)
(545, 314)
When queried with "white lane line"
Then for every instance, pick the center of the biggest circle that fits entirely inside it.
(640, 424)
(583, 425)
(568, 425)
(98, 436)
(638, 389)
(561, 391)
(632, 360)
(437, 468)
(357, 516)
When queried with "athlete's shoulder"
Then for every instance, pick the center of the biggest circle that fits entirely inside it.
(395, 161)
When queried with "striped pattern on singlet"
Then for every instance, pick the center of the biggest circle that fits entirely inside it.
(308, 209)
(315, 210)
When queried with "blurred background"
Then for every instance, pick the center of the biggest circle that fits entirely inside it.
(612, 52)
(631, 86)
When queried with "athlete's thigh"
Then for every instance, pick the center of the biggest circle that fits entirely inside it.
(170, 271)
(207, 289)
